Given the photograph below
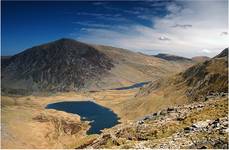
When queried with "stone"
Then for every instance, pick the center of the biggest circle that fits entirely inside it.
(201, 124)
(223, 94)
(155, 114)
(141, 122)
(187, 129)
(146, 118)
(203, 147)
(227, 130)
(170, 109)
(194, 126)
(163, 112)
(180, 118)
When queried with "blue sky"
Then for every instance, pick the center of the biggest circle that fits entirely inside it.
(185, 28)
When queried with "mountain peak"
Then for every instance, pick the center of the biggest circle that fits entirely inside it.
(223, 53)
(66, 40)
(64, 64)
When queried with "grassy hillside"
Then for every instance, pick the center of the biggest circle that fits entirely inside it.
(198, 83)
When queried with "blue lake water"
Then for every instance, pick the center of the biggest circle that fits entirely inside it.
(99, 116)
(137, 85)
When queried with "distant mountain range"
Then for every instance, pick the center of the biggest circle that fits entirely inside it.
(69, 65)
(198, 80)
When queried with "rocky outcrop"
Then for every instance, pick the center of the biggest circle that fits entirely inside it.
(224, 53)
(150, 87)
(63, 123)
(208, 134)
(187, 126)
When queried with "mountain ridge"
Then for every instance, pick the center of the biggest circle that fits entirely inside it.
(70, 65)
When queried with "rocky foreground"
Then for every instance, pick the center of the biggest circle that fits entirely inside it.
(197, 125)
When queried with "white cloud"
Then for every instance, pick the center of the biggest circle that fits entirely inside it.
(163, 38)
(184, 26)
(191, 28)
(224, 33)
(206, 51)
(173, 8)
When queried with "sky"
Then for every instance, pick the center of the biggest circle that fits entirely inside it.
(185, 28)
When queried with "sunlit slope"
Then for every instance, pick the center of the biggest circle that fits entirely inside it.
(194, 84)
(131, 67)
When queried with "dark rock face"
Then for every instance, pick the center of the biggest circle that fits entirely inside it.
(57, 66)
(224, 53)
(172, 57)
(4, 60)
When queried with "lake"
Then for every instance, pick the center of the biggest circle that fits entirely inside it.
(136, 85)
(100, 117)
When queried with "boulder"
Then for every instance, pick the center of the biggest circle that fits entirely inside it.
(201, 124)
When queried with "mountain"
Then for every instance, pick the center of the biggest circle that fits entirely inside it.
(200, 58)
(188, 110)
(171, 57)
(203, 78)
(132, 67)
(196, 83)
(208, 77)
(64, 64)
(3, 58)
(69, 65)
(224, 53)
